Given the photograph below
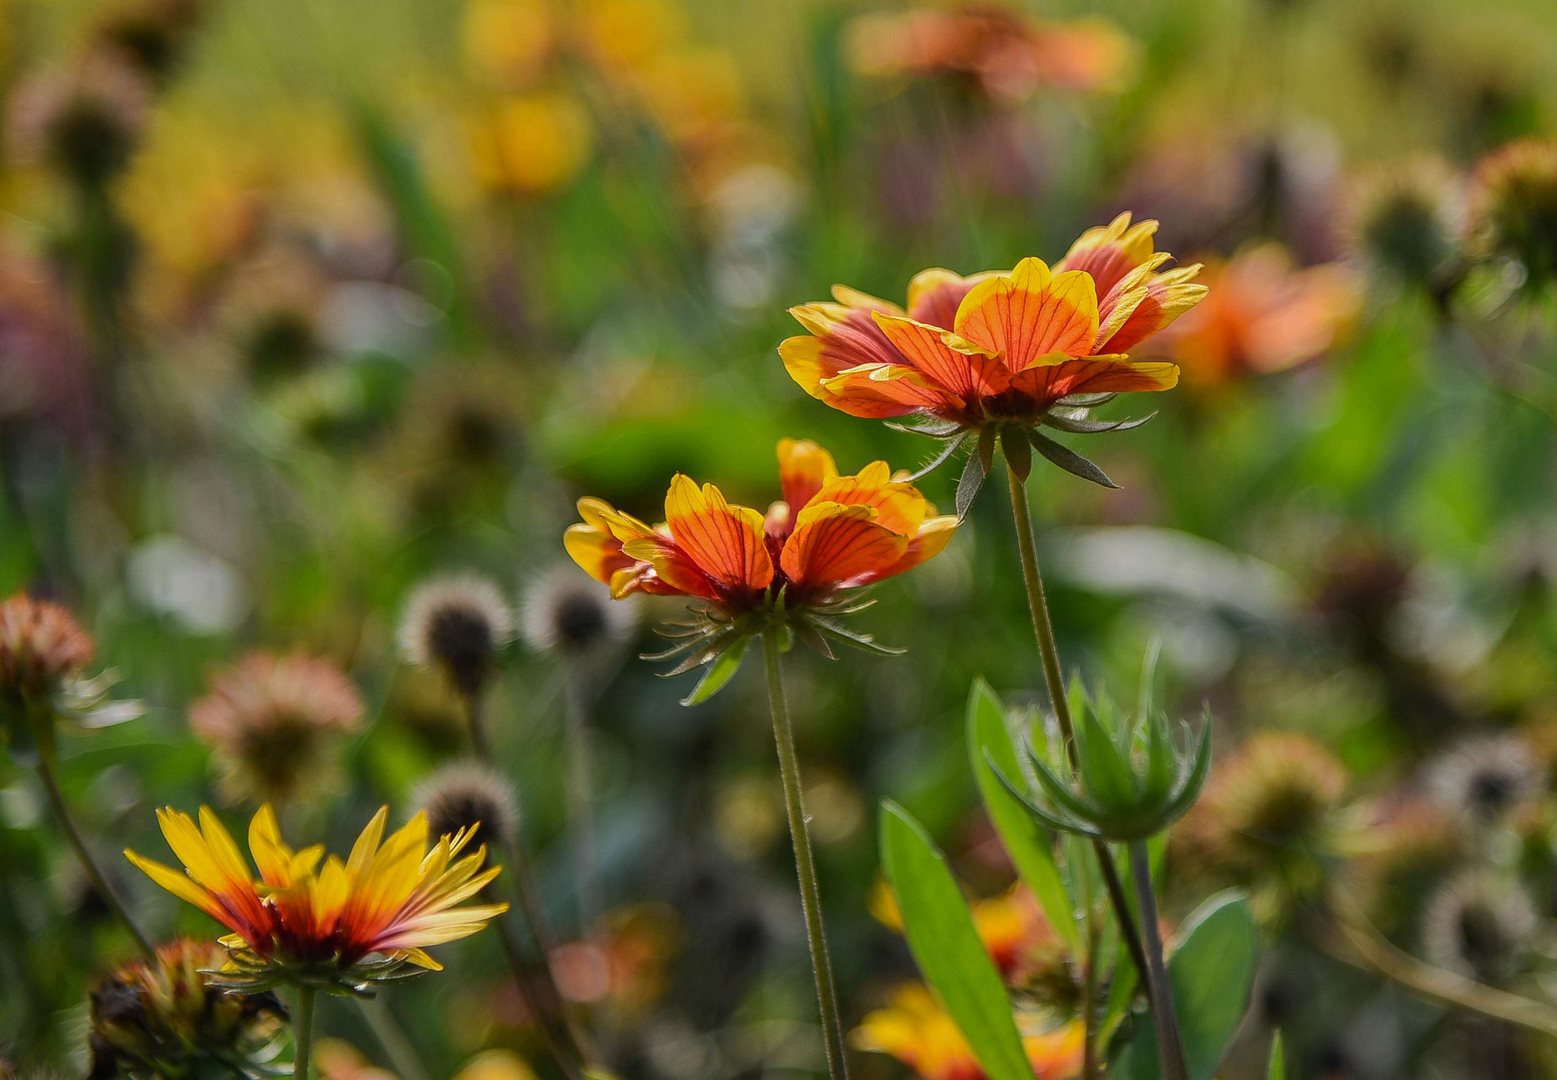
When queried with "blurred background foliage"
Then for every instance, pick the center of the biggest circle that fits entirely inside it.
(302, 302)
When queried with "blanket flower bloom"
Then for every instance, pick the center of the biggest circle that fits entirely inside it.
(1001, 351)
(795, 566)
(339, 926)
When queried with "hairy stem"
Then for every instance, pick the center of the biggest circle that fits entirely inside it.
(100, 881)
(805, 863)
(1048, 652)
(303, 1032)
(1170, 1050)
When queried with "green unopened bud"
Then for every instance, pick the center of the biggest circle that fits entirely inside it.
(1134, 776)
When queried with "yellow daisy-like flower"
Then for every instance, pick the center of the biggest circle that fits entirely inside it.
(319, 921)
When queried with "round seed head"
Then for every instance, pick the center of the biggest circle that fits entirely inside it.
(567, 612)
(457, 624)
(468, 794)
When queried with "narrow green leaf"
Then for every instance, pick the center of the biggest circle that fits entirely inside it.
(953, 444)
(1069, 460)
(946, 946)
(968, 484)
(721, 671)
(1212, 973)
(1277, 1069)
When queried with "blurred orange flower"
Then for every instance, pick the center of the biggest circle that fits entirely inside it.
(1264, 316)
(917, 1031)
(998, 346)
(828, 534)
(1008, 56)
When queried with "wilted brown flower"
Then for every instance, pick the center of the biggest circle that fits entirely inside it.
(1513, 206)
(272, 719)
(160, 1019)
(41, 646)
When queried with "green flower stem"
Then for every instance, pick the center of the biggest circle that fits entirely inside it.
(397, 1047)
(303, 1032)
(533, 978)
(805, 863)
(479, 743)
(580, 797)
(1170, 1050)
(1347, 937)
(93, 871)
(1048, 652)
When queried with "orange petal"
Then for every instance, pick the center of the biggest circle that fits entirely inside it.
(933, 295)
(898, 506)
(1048, 382)
(726, 542)
(662, 569)
(879, 390)
(835, 545)
(1109, 252)
(1167, 297)
(945, 359)
(805, 363)
(1031, 313)
(930, 540)
(803, 468)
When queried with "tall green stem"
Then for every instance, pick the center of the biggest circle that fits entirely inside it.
(1170, 1051)
(88, 863)
(581, 798)
(1049, 653)
(805, 864)
(303, 1032)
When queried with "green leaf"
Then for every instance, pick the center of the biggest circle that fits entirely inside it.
(721, 671)
(947, 948)
(1069, 460)
(1018, 451)
(1277, 1069)
(1030, 846)
(1212, 974)
(972, 478)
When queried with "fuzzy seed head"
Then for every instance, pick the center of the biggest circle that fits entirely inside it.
(458, 625)
(1479, 926)
(1486, 777)
(468, 794)
(567, 612)
(85, 122)
(1514, 205)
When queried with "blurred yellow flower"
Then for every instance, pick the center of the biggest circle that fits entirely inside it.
(529, 144)
(496, 1065)
(510, 40)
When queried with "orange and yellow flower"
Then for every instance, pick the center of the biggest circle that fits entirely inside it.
(339, 925)
(998, 347)
(828, 534)
(916, 1030)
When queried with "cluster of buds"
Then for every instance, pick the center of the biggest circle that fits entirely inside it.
(166, 1018)
(1132, 777)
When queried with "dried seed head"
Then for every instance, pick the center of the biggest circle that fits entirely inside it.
(1484, 778)
(567, 612)
(41, 646)
(85, 122)
(1513, 206)
(1407, 221)
(465, 794)
(457, 624)
(272, 720)
(1478, 926)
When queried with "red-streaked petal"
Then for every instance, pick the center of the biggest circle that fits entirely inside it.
(934, 295)
(1109, 252)
(929, 541)
(965, 371)
(1168, 295)
(803, 468)
(1048, 382)
(879, 390)
(899, 506)
(836, 544)
(725, 541)
(1030, 314)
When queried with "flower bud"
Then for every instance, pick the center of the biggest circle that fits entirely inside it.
(1133, 777)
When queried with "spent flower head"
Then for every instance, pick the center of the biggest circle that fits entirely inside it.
(1479, 925)
(466, 795)
(85, 121)
(457, 625)
(1002, 353)
(1484, 778)
(43, 656)
(273, 720)
(564, 612)
(1407, 221)
(165, 1018)
(339, 926)
(796, 567)
(1513, 206)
